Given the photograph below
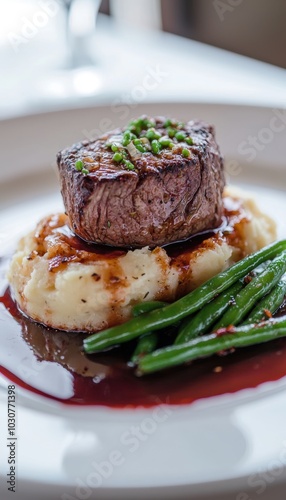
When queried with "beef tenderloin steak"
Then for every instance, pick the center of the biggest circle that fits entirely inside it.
(153, 183)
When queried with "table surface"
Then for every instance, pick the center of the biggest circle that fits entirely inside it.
(134, 67)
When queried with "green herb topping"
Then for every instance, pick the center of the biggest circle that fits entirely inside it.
(180, 136)
(186, 153)
(156, 146)
(142, 136)
(171, 132)
(79, 165)
(165, 142)
(117, 157)
(128, 165)
(189, 141)
(152, 134)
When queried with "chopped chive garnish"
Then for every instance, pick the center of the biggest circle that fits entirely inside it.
(140, 124)
(126, 138)
(139, 146)
(180, 136)
(79, 165)
(189, 141)
(137, 130)
(185, 153)
(152, 134)
(167, 123)
(85, 171)
(171, 132)
(143, 123)
(117, 157)
(156, 147)
(148, 124)
(128, 165)
(134, 128)
(143, 132)
(165, 142)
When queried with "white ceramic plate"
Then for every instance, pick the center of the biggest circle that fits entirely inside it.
(209, 448)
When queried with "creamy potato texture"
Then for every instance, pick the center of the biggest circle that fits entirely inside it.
(66, 285)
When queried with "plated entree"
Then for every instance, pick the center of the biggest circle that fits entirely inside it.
(153, 249)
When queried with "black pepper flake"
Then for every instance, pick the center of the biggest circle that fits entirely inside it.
(95, 276)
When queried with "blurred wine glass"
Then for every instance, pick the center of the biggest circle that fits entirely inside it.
(81, 18)
(79, 75)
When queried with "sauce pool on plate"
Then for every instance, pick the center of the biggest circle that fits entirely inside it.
(52, 363)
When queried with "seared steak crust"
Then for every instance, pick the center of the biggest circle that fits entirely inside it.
(167, 197)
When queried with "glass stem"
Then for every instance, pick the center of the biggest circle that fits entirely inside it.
(80, 26)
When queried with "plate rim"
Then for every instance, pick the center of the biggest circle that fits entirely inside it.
(202, 486)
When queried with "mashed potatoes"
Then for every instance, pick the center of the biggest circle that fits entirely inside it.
(66, 285)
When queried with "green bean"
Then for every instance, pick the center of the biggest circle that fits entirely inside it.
(270, 303)
(145, 307)
(253, 292)
(146, 344)
(208, 345)
(203, 321)
(189, 304)
(148, 341)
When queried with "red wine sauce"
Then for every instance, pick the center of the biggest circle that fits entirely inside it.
(106, 379)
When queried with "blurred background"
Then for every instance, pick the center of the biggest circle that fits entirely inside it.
(253, 28)
(256, 28)
(56, 54)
